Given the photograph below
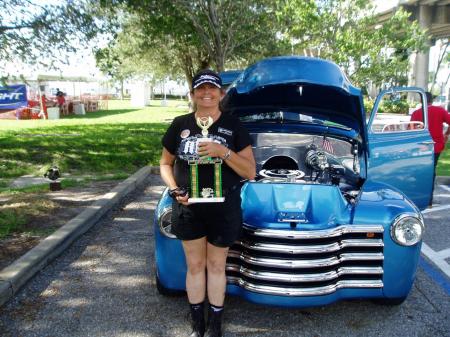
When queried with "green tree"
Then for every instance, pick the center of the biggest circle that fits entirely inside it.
(134, 53)
(42, 33)
(347, 32)
(183, 36)
(109, 61)
(202, 33)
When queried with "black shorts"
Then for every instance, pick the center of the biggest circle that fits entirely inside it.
(220, 222)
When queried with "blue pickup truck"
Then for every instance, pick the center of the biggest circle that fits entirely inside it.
(334, 212)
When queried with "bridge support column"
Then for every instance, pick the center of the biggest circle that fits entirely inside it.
(422, 59)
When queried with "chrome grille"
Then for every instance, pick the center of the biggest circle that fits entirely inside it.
(307, 263)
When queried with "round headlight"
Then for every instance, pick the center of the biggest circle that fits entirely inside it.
(165, 222)
(407, 229)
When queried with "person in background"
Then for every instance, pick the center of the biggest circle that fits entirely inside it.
(437, 116)
(206, 230)
(60, 99)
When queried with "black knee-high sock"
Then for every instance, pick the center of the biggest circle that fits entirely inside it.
(198, 318)
(215, 320)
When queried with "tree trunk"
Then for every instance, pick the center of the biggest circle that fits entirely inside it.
(187, 66)
(219, 61)
(441, 58)
(217, 42)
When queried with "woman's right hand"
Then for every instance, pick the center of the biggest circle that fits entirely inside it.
(182, 199)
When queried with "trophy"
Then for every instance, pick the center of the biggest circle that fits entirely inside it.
(208, 188)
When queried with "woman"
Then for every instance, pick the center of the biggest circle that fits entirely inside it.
(207, 230)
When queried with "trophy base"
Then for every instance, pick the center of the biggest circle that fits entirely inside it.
(199, 200)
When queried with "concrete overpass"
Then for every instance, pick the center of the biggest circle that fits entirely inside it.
(433, 15)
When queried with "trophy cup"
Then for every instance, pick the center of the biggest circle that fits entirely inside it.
(209, 187)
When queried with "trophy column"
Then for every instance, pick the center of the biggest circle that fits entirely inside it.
(193, 173)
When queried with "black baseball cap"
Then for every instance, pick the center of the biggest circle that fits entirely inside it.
(206, 76)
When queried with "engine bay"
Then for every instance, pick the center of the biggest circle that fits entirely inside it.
(308, 159)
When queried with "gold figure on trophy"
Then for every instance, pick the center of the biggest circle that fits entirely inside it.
(204, 123)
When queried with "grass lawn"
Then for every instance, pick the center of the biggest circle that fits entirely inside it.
(108, 145)
(121, 139)
(443, 167)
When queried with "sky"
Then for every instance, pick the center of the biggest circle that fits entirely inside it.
(79, 64)
(383, 5)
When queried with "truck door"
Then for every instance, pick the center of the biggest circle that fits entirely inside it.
(401, 151)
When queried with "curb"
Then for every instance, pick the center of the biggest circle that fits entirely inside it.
(13, 277)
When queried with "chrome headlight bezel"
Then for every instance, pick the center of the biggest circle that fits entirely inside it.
(402, 220)
(165, 223)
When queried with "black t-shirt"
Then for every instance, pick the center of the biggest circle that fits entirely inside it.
(181, 137)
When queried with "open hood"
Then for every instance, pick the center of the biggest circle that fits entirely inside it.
(305, 85)
(229, 76)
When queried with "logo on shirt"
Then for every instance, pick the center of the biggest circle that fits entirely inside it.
(225, 131)
(185, 133)
(188, 147)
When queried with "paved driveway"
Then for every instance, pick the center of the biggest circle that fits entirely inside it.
(104, 286)
(436, 245)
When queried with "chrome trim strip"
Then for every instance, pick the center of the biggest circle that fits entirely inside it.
(293, 220)
(315, 291)
(299, 249)
(316, 277)
(293, 263)
(313, 234)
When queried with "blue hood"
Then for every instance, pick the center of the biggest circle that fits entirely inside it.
(229, 76)
(303, 84)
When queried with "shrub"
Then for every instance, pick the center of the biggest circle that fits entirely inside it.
(394, 107)
(368, 105)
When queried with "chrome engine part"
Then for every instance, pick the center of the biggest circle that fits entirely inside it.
(281, 175)
(317, 160)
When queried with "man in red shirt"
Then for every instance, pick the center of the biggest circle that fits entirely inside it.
(436, 118)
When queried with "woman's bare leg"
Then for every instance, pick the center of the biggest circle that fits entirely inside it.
(215, 264)
(195, 252)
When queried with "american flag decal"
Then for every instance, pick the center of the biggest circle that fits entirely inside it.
(327, 146)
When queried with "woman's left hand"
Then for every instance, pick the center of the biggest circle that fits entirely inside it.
(242, 162)
(211, 149)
